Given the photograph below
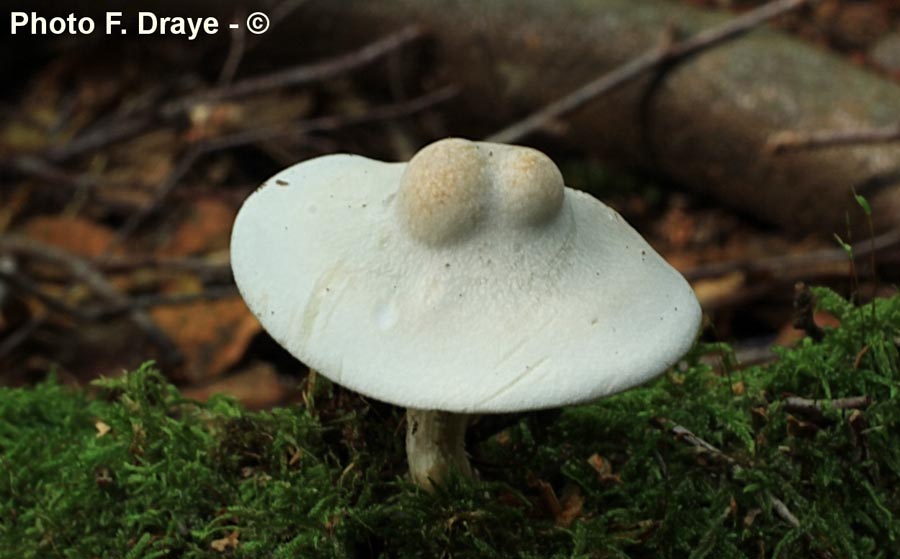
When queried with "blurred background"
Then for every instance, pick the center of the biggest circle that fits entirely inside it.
(751, 164)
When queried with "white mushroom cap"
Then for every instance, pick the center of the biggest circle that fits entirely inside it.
(468, 280)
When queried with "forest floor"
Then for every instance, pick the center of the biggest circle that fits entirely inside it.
(114, 251)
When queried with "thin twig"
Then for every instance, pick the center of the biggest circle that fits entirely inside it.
(248, 137)
(814, 408)
(241, 44)
(650, 60)
(791, 141)
(236, 50)
(301, 74)
(84, 271)
(34, 166)
(118, 129)
(784, 512)
(118, 264)
(684, 435)
(161, 300)
(54, 178)
(332, 122)
(794, 264)
(18, 281)
(171, 181)
(130, 124)
(18, 337)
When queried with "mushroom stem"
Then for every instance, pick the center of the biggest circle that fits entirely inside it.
(435, 446)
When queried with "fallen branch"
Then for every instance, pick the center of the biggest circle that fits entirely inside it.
(653, 59)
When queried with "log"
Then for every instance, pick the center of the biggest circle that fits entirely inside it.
(704, 123)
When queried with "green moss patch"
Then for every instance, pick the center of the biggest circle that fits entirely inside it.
(697, 464)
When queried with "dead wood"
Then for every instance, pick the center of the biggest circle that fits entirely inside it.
(705, 122)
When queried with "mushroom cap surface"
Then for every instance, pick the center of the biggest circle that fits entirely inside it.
(467, 280)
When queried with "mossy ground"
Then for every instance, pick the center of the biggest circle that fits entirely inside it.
(176, 478)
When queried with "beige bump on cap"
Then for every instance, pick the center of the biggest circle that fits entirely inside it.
(467, 280)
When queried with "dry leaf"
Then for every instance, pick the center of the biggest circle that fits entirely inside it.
(712, 292)
(223, 544)
(102, 428)
(75, 234)
(788, 336)
(296, 456)
(257, 387)
(206, 228)
(213, 335)
(604, 470)
(601, 466)
(571, 504)
(548, 496)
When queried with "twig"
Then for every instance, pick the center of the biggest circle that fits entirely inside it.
(161, 300)
(784, 512)
(789, 141)
(814, 408)
(118, 264)
(794, 264)
(301, 74)
(22, 283)
(684, 435)
(24, 332)
(239, 139)
(53, 177)
(240, 45)
(171, 181)
(276, 14)
(118, 129)
(37, 167)
(332, 122)
(90, 276)
(650, 60)
(130, 124)
(236, 50)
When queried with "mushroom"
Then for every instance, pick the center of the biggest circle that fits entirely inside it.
(467, 281)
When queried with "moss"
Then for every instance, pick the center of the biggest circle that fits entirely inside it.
(177, 478)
